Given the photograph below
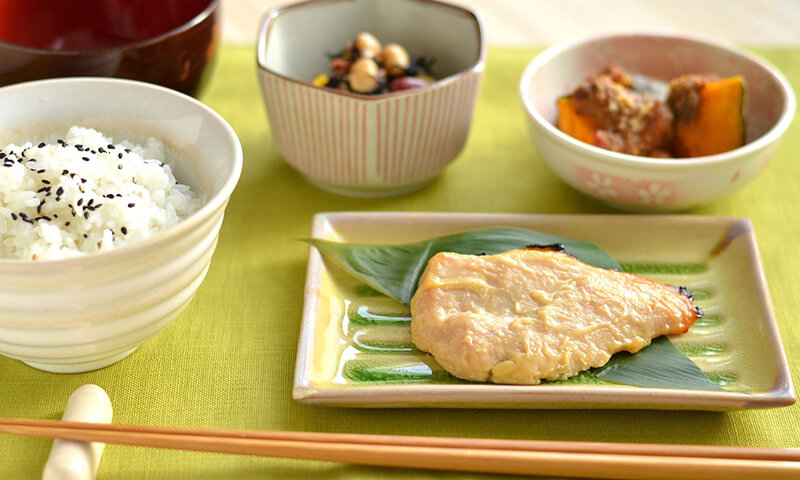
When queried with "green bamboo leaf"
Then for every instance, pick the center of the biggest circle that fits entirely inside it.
(395, 270)
(660, 365)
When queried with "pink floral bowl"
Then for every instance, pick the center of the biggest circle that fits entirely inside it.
(369, 145)
(653, 184)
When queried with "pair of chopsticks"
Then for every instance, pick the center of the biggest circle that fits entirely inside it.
(527, 457)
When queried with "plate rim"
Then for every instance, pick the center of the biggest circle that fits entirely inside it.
(305, 390)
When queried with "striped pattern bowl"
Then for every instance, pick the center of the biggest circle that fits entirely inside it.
(363, 145)
(83, 313)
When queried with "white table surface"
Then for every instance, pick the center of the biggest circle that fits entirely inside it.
(542, 22)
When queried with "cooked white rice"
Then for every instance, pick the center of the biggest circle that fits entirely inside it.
(84, 193)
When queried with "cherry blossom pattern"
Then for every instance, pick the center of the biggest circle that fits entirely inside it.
(626, 190)
(653, 194)
(600, 185)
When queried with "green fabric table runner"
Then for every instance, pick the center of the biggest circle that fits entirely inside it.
(228, 360)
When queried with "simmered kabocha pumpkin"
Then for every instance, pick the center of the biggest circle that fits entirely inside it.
(701, 115)
(574, 124)
(717, 123)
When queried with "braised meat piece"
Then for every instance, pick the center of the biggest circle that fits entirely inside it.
(684, 95)
(627, 121)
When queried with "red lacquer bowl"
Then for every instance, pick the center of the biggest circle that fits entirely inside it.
(168, 42)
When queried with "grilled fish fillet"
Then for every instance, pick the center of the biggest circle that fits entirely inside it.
(535, 314)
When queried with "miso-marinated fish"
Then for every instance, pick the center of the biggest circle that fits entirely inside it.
(535, 314)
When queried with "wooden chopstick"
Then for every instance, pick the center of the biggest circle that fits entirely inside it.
(531, 457)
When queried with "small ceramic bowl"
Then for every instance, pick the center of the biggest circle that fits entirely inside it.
(652, 184)
(363, 145)
(168, 42)
(83, 313)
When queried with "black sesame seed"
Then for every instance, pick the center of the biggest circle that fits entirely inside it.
(85, 236)
(55, 215)
(46, 182)
(119, 195)
(13, 216)
(86, 215)
(23, 215)
(119, 167)
(131, 205)
(39, 208)
(90, 202)
(60, 191)
(64, 172)
(80, 202)
(101, 150)
(43, 189)
(85, 159)
(42, 170)
(45, 218)
(97, 206)
(61, 142)
(78, 146)
(124, 230)
(120, 156)
(111, 147)
(83, 180)
(66, 224)
(2, 155)
(41, 145)
(94, 152)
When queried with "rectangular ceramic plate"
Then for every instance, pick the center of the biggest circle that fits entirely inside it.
(355, 347)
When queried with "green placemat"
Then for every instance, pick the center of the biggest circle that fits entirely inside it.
(228, 360)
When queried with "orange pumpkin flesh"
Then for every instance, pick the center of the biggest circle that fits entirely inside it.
(719, 124)
(573, 124)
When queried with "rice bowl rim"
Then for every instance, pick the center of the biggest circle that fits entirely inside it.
(165, 236)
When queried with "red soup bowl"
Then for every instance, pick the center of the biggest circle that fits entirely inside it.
(167, 42)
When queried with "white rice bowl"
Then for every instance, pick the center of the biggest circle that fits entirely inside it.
(84, 193)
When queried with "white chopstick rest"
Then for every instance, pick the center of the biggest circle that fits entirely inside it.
(70, 460)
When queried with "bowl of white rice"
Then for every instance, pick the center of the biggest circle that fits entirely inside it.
(112, 194)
